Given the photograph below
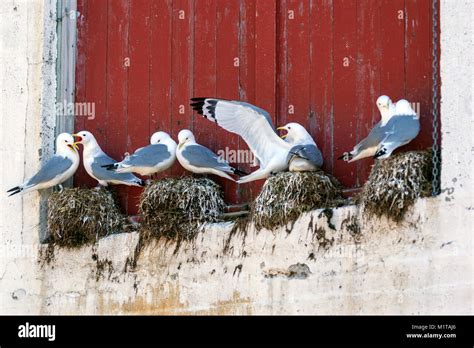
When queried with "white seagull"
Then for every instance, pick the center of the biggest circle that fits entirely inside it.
(94, 159)
(304, 155)
(402, 128)
(58, 169)
(199, 159)
(398, 126)
(255, 126)
(154, 158)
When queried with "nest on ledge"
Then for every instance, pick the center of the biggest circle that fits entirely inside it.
(396, 182)
(287, 195)
(78, 216)
(175, 208)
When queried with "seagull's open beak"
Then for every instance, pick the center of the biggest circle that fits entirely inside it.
(75, 146)
(78, 138)
(284, 135)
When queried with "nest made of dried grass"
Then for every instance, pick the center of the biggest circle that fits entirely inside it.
(285, 196)
(175, 208)
(78, 216)
(396, 182)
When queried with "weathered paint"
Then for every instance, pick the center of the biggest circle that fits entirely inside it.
(318, 62)
(433, 274)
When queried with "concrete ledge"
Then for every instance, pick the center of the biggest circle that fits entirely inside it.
(362, 266)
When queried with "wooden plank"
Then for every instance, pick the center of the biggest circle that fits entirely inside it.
(138, 127)
(345, 95)
(321, 72)
(96, 67)
(297, 17)
(117, 85)
(367, 77)
(392, 36)
(160, 69)
(227, 82)
(282, 62)
(181, 69)
(205, 67)
(418, 67)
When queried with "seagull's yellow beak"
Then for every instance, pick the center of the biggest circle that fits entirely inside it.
(284, 135)
(180, 146)
(75, 146)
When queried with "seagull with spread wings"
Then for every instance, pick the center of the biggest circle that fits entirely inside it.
(255, 126)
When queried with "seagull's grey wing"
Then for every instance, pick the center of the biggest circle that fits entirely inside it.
(375, 137)
(400, 130)
(250, 122)
(309, 152)
(102, 173)
(200, 156)
(56, 166)
(148, 156)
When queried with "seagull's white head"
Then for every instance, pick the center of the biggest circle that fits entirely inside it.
(65, 144)
(185, 136)
(85, 138)
(386, 108)
(159, 137)
(384, 103)
(296, 133)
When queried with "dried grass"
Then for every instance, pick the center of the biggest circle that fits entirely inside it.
(285, 196)
(396, 182)
(175, 208)
(77, 216)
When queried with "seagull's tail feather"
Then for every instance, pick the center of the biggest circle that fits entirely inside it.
(15, 190)
(346, 156)
(239, 172)
(112, 166)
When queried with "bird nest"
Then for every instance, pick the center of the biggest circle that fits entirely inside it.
(396, 182)
(80, 216)
(285, 196)
(175, 208)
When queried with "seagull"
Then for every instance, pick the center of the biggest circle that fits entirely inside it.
(58, 169)
(94, 158)
(390, 128)
(255, 126)
(402, 128)
(304, 155)
(154, 158)
(200, 160)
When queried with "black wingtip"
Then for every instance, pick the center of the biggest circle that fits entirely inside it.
(142, 183)
(14, 191)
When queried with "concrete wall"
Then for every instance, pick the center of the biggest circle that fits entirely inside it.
(423, 265)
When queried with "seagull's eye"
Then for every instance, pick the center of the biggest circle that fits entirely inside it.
(289, 127)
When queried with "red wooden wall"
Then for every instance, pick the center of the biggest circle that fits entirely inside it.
(321, 63)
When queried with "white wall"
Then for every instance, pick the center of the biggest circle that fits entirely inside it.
(423, 265)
